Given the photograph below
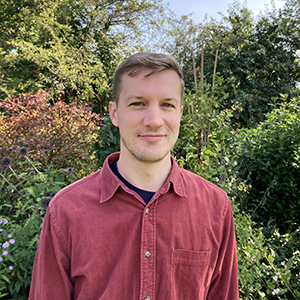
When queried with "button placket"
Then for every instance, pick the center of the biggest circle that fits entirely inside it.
(148, 242)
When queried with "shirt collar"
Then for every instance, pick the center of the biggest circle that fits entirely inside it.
(109, 182)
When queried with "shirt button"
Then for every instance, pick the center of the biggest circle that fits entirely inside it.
(148, 254)
(147, 298)
(148, 212)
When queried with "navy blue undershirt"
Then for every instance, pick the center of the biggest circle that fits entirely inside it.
(146, 195)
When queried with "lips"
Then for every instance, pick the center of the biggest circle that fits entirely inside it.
(152, 137)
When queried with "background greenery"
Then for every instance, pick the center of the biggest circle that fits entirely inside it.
(240, 128)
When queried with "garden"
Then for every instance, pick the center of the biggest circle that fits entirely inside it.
(240, 127)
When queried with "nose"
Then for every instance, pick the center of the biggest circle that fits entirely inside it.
(153, 117)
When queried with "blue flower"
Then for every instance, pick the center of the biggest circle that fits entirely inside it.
(4, 253)
(45, 201)
(6, 161)
(23, 151)
(6, 245)
(32, 173)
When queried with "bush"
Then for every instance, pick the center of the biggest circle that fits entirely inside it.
(268, 266)
(201, 146)
(59, 135)
(25, 192)
(107, 142)
(267, 160)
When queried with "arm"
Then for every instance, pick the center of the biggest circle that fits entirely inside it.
(224, 283)
(51, 272)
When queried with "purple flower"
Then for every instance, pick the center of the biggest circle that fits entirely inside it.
(48, 194)
(4, 253)
(32, 173)
(1, 221)
(45, 201)
(9, 236)
(23, 151)
(5, 221)
(1, 229)
(12, 241)
(1, 258)
(5, 245)
(10, 267)
(6, 161)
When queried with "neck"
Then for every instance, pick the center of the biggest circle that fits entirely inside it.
(145, 176)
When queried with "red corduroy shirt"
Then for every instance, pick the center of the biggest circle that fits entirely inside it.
(101, 241)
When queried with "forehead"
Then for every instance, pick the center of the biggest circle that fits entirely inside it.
(158, 86)
(166, 80)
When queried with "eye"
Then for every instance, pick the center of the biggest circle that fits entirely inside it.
(168, 105)
(136, 104)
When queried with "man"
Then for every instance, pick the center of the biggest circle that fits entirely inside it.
(141, 227)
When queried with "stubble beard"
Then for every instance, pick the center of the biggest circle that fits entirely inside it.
(146, 155)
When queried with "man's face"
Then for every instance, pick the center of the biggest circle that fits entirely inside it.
(148, 115)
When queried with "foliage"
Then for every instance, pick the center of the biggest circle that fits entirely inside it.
(267, 159)
(258, 59)
(202, 137)
(58, 134)
(25, 192)
(69, 45)
(268, 267)
(107, 142)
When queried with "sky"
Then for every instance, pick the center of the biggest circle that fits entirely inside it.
(211, 7)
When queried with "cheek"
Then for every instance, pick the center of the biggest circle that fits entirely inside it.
(173, 124)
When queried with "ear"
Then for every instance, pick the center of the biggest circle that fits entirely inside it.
(113, 113)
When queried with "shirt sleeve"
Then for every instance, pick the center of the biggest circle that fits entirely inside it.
(51, 272)
(224, 283)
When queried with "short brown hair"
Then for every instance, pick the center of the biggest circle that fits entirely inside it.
(135, 63)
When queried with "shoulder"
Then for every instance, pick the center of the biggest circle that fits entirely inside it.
(85, 188)
(205, 192)
(192, 180)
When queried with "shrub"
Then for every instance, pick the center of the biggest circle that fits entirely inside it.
(107, 142)
(268, 266)
(25, 191)
(59, 134)
(267, 160)
(201, 146)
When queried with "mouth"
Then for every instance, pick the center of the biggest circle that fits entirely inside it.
(152, 137)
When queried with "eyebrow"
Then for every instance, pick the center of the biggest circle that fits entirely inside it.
(141, 98)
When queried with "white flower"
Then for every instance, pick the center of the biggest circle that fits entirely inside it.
(276, 291)
(275, 278)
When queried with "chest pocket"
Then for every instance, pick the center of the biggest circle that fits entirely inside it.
(189, 272)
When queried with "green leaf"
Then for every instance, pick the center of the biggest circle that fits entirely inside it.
(5, 278)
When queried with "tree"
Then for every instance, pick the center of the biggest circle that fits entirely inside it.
(70, 46)
(258, 59)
